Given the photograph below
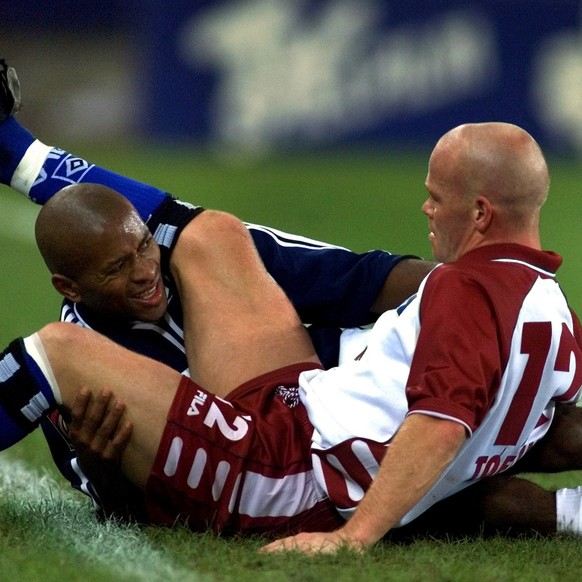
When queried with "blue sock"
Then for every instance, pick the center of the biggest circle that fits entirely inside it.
(61, 169)
(25, 394)
(14, 141)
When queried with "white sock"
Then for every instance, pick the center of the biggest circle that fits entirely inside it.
(35, 349)
(30, 167)
(568, 510)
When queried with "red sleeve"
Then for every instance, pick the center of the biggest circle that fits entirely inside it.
(457, 362)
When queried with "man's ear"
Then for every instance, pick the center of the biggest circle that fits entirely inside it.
(66, 287)
(484, 213)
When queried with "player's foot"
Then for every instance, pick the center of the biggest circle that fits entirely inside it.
(9, 91)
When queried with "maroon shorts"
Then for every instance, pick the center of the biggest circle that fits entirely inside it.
(241, 465)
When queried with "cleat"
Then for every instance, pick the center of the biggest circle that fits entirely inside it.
(9, 91)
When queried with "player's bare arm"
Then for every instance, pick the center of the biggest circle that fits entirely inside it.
(401, 283)
(406, 474)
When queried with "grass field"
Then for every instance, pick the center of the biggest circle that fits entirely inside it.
(361, 200)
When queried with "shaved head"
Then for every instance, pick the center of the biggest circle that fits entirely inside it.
(499, 161)
(486, 183)
(101, 253)
(73, 220)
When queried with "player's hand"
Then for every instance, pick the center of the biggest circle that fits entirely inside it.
(97, 427)
(314, 543)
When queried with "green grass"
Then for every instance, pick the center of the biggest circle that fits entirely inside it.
(49, 534)
(361, 200)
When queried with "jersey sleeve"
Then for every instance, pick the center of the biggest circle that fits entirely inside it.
(458, 354)
(167, 222)
(328, 285)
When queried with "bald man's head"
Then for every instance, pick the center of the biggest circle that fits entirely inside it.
(101, 253)
(487, 183)
(498, 160)
(74, 220)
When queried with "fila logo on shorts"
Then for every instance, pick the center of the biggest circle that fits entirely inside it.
(198, 400)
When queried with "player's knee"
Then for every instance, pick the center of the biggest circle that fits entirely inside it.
(565, 435)
(211, 233)
(561, 448)
(62, 336)
(212, 225)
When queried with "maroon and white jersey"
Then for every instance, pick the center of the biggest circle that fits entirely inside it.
(489, 341)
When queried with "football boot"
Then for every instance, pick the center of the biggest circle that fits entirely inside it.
(9, 91)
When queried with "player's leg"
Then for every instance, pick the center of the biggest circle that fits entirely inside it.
(515, 506)
(80, 358)
(50, 368)
(38, 171)
(238, 323)
(501, 505)
(561, 448)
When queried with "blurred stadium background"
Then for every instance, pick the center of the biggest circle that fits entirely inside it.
(314, 116)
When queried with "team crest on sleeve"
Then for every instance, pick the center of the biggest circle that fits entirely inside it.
(164, 234)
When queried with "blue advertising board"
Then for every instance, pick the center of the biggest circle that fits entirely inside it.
(322, 73)
(288, 73)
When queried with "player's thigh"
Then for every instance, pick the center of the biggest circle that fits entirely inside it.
(238, 323)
